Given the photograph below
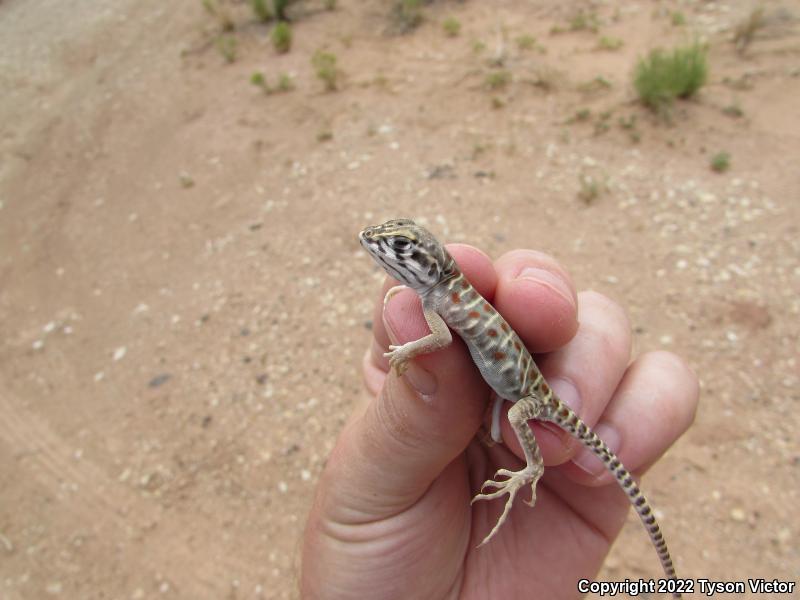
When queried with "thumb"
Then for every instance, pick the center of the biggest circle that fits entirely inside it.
(391, 451)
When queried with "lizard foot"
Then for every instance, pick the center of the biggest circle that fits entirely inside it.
(516, 480)
(398, 360)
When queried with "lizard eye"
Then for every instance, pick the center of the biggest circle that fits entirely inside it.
(400, 244)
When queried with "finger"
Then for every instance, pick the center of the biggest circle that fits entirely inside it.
(391, 452)
(654, 404)
(537, 298)
(584, 373)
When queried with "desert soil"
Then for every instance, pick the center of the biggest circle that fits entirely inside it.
(184, 305)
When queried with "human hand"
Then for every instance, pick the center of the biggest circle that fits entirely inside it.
(392, 515)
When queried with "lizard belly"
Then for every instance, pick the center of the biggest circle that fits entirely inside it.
(502, 374)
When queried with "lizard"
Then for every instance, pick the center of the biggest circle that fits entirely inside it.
(413, 256)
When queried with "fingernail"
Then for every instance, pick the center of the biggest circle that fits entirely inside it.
(588, 460)
(548, 279)
(568, 394)
(422, 381)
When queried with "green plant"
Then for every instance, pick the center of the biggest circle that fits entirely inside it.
(451, 26)
(582, 115)
(281, 37)
(733, 110)
(677, 18)
(226, 44)
(609, 43)
(629, 125)
(478, 46)
(258, 80)
(261, 10)
(497, 80)
(590, 188)
(602, 123)
(405, 15)
(279, 9)
(225, 21)
(664, 76)
(329, 4)
(721, 162)
(584, 21)
(594, 86)
(324, 64)
(526, 42)
(285, 83)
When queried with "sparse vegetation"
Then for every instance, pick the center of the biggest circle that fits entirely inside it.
(226, 45)
(746, 30)
(324, 135)
(603, 122)
(284, 83)
(733, 110)
(451, 26)
(584, 21)
(261, 10)
(664, 76)
(721, 162)
(220, 13)
(279, 9)
(478, 46)
(677, 18)
(628, 124)
(594, 86)
(405, 15)
(281, 37)
(590, 188)
(324, 64)
(526, 42)
(258, 80)
(609, 43)
(499, 79)
(546, 78)
(583, 114)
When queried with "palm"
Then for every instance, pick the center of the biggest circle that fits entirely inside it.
(567, 533)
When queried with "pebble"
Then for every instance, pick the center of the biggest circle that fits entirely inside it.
(738, 515)
(119, 353)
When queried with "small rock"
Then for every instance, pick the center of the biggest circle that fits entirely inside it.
(119, 353)
(159, 380)
(738, 515)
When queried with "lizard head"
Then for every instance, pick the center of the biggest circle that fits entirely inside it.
(408, 252)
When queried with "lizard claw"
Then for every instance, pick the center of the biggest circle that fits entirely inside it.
(397, 359)
(516, 480)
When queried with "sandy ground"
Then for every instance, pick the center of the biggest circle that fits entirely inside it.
(184, 305)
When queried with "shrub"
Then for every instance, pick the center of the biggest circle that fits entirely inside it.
(282, 37)
(261, 9)
(451, 26)
(324, 64)
(721, 162)
(664, 76)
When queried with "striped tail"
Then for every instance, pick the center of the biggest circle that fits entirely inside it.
(563, 416)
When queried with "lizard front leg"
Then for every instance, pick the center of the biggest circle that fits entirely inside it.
(439, 337)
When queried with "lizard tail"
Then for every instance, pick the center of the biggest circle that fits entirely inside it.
(563, 416)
